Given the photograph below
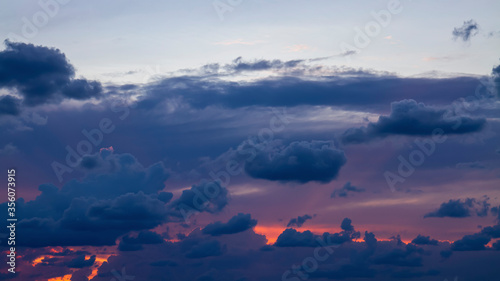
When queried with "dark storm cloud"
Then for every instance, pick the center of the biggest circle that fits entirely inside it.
(10, 105)
(466, 31)
(461, 208)
(115, 197)
(424, 240)
(239, 223)
(94, 222)
(299, 161)
(413, 119)
(42, 74)
(343, 192)
(299, 221)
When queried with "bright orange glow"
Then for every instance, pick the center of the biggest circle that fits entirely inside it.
(39, 260)
(271, 232)
(63, 278)
(99, 260)
(93, 274)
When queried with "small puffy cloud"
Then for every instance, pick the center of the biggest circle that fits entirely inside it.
(469, 29)
(298, 221)
(424, 240)
(496, 245)
(297, 162)
(413, 119)
(293, 238)
(343, 192)
(461, 208)
(346, 225)
(236, 224)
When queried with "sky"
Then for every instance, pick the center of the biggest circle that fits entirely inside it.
(251, 140)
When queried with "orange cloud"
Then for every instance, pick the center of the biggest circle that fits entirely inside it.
(62, 278)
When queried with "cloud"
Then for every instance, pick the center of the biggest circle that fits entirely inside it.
(239, 257)
(345, 88)
(413, 119)
(236, 224)
(239, 65)
(346, 225)
(297, 162)
(410, 256)
(207, 196)
(205, 249)
(42, 74)
(115, 197)
(293, 238)
(348, 187)
(492, 231)
(81, 262)
(129, 243)
(94, 222)
(474, 242)
(461, 208)
(466, 31)
(424, 240)
(298, 221)
(10, 105)
(446, 254)
(496, 245)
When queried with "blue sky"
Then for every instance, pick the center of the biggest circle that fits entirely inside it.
(170, 35)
